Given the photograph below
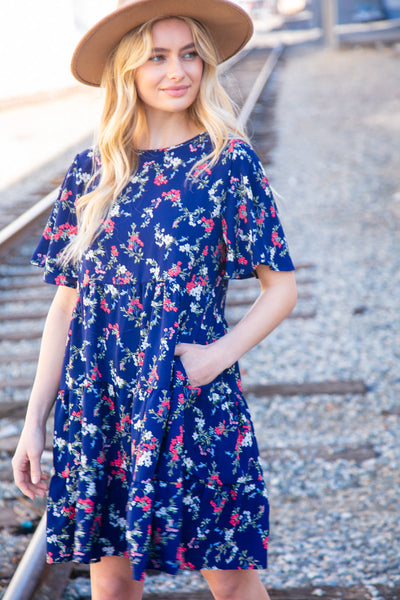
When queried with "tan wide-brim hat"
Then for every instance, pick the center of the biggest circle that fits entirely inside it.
(228, 24)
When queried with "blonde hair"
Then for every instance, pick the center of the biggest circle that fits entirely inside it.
(123, 123)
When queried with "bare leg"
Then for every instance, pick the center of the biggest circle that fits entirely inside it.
(111, 579)
(235, 585)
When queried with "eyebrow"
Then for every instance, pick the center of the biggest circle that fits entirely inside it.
(187, 47)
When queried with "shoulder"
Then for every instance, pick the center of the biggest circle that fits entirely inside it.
(82, 168)
(87, 161)
(240, 152)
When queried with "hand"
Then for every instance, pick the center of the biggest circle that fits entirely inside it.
(200, 363)
(28, 475)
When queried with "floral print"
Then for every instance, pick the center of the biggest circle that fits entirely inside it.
(147, 466)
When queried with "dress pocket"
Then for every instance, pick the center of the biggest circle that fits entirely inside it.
(180, 372)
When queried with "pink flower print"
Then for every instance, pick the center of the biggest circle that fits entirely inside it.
(49, 558)
(191, 284)
(145, 502)
(242, 260)
(114, 251)
(234, 520)
(134, 238)
(66, 472)
(265, 542)
(96, 521)
(175, 444)
(65, 195)
(240, 439)
(160, 179)
(77, 414)
(70, 511)
(264, 182)
(154, 376)
(103, 306)
(109, 226)
(243, 212)
(65, 230)
(273, 211)
(180, 554)
(121, 426)
(232, 145)
(134, 302)
(205, 251)
(233, 494)
(218, 508)
(87, 505)
(172, 195)
(275, 239)
(164, 404)
(180, 376)
(61, 280)
(118, 463)
(109, 401)
(168, 306)
(225, 230)
(95, 373)
(86, 278)
(101, 459)
(175, 269)
(260, 219)
(219, 429)
(201, 168)
(215, 478)
(209, 224)
(47, 233)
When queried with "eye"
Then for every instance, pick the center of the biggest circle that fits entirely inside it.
(190, 55)
(157, 58)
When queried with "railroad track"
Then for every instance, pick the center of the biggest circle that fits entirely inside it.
(24, 302)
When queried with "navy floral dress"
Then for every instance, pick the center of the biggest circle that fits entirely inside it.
(147, 466)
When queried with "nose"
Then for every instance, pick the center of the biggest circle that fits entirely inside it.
(175, 70)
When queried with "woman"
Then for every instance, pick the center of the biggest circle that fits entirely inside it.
(156, 463)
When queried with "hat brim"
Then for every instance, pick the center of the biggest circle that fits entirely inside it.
(228, 24)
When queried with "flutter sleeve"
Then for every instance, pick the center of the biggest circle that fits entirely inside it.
(252, 231)
(61, 226)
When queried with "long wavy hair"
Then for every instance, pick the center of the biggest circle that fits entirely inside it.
(123, 124)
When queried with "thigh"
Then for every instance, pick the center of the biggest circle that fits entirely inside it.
(112, 578)
(235, 584)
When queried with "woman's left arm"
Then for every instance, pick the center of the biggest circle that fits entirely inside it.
(276, 301)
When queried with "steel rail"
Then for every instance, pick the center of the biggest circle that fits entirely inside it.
(28, 571)
(14, 229)
(260, 84)
(32, 563)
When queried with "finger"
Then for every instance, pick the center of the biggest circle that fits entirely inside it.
(36, 471)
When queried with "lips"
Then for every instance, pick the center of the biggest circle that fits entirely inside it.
(176, 90)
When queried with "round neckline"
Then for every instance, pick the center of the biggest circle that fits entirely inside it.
(174, 147)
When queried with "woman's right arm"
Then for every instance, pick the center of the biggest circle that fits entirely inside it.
(28, 475)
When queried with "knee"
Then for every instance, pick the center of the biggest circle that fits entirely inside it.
(111, 579)
(108, 589)
(225, 588)
(235, 585)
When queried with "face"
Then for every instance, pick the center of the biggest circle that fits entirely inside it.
(170, 79)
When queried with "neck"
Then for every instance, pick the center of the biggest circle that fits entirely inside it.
(168, 129)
